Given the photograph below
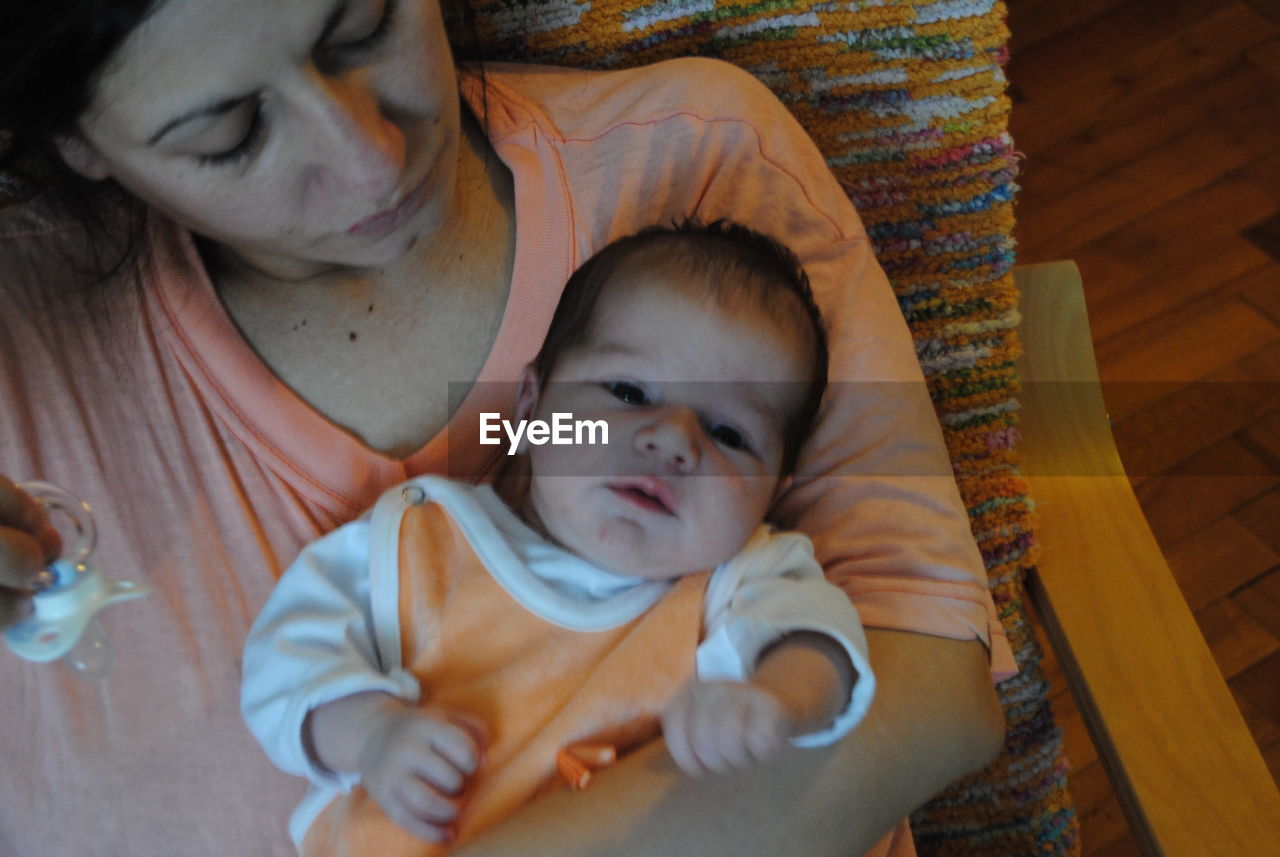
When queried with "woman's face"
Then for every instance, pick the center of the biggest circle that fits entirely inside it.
(296, 132)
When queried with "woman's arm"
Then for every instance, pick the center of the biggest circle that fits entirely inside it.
(935, 718)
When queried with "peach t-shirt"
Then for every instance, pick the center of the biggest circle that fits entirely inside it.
(208, 475)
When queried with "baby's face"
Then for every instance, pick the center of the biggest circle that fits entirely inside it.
(697, 398)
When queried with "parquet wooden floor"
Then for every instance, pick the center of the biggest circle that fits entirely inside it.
(1151, 131)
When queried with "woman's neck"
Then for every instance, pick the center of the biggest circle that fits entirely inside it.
(378, 351)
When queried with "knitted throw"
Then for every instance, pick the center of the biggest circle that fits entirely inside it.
(907, 102)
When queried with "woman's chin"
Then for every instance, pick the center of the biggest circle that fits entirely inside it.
(291, 265)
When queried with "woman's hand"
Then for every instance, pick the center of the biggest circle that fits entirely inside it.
(28, 542)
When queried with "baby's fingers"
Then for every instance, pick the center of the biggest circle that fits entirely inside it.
(703, 728)
(766, 727)
(423, 811)
(719, 735)
(676, 721)
(459, 741)
(440, 773)
(722, 726)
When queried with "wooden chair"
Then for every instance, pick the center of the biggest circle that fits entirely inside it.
(1184, 767)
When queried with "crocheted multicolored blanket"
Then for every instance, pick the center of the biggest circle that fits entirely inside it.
(907, 101)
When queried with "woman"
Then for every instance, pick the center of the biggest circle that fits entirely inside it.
(376, 259)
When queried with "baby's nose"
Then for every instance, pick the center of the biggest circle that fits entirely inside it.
(671, 436)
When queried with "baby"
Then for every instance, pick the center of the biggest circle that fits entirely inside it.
(456, 646)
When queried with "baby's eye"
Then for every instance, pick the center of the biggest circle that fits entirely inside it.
(627, 393)
(728, 436)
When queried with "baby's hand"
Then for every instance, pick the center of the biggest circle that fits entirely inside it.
(723, 725)
(415, 765)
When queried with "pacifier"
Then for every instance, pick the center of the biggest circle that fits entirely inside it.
(69, 593)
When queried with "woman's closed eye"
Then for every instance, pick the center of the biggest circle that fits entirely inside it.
(334, 54)
(244, 147)
(341, 51)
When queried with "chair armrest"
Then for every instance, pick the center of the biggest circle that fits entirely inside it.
(1184, 767)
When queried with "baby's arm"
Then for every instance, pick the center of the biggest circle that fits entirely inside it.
(319, 698)
(784, 658)
(412, 761)
(801, 683)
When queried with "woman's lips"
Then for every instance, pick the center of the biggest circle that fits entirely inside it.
(389, 220)
(647, 493)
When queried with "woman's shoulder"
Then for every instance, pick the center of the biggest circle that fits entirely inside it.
(55, 266)
(600, 155)
(690, 136)
(582, 104)
(45, 239)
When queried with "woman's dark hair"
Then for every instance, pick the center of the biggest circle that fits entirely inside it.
(733, 264)
(52, 53)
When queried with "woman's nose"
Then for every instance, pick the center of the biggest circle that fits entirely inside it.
(362, 153)
(671, 435)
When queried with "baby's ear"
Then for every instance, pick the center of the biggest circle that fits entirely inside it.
(82, 156)
(527, 393)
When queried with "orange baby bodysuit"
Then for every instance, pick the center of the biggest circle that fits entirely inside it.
(538, 687)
